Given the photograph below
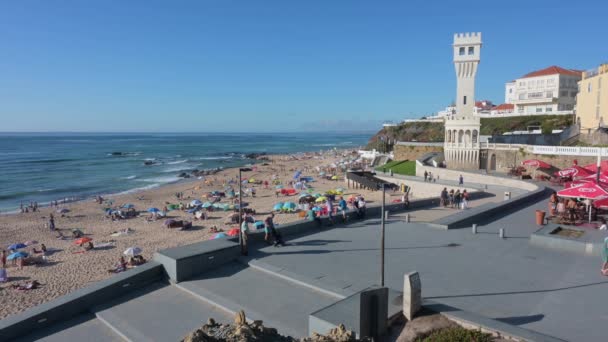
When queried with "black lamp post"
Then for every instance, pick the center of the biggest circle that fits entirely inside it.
(241, 244)
(383, 186)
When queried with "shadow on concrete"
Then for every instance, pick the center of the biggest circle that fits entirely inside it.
(520, 292)
(521, 320)
(316, 242)
(55, 328)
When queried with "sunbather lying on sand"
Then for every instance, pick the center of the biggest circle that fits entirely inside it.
(32, 285)
(121, 266)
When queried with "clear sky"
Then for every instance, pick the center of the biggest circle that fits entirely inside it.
(222, 65)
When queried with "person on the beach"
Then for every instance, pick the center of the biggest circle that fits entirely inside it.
(244, 231)
(3, 275)
(361, 205)
(553, 203)
(451, 198)
(457, 199)
(3, 258)
(343, 208)
(330, 211)
(460, 180)
(443, 198)
(603, 225)
(465, 199)
(51, 222)
(426, 175)
(271, 230)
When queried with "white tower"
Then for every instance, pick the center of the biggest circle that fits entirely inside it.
(461, 147)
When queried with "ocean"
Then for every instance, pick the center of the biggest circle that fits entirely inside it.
(44, 167)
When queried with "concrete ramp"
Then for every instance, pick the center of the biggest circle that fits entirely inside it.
(276, 301)
(74, 330)
(160, 312)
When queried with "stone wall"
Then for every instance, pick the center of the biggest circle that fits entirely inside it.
(403, 152)
(507, 159)
(477, 177)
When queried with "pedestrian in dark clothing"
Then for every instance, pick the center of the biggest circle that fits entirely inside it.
(51, 223)
(271, 230)
(426, 175)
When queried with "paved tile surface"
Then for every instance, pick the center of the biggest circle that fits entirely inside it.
(82, 328)
(556, 293)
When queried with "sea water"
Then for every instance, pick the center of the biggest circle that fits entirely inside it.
(44, 167)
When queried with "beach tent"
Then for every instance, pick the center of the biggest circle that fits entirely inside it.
(289, 206)
(278, 206)
(132, 251)
(16, 246)
(153, 210)
(82, 240)
(207, 204)
(17, 255)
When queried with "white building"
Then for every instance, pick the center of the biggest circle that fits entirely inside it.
(461, 142)
(547, 91)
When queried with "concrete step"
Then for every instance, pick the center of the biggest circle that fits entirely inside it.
(159, 312)
(237, 287)
(74, 330)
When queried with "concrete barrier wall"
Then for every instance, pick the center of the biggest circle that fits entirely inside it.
(421, 189)
(453, 175)
(79, 301)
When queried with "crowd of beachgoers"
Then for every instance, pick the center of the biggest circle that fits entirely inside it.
(51, 251)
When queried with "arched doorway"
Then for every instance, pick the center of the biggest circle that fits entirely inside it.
(493, 162)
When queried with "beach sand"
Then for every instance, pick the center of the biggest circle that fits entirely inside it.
(68, 268)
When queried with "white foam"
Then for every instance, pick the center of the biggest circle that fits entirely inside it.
(177, 162)
(176, 169)
(162, 180)
(129, 177)
(213, 158)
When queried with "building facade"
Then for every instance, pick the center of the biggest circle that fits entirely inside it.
(544, 92)
(461, 141)
(592, 99)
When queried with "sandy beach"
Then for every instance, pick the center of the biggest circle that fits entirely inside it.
(68, 267)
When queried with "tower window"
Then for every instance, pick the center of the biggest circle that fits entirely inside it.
(464, 100)
(471, 50)
(461, 51)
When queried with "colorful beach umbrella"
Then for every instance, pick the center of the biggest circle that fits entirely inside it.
(593, 167)
(601, 203)
(279, 186)
(17, 255)
(289, 206)
(16, 246)
(207, 204)
(132, 251)
(588, 190)
(128, 206)
(82, 240)
(574, 171)
(196, 203)
(278, 206)
(321, 199)
(153, 210)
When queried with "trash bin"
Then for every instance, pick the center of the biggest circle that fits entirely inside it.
(507, 195)
(540, 217)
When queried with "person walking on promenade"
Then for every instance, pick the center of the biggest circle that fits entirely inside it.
(426, 175)
(457, 198)
(244, 231)
(343, 207)
(465, 199)
(443, 198)
(553, 203)
(460, 180)
(330, 211)
(605, 257)
(271, 230)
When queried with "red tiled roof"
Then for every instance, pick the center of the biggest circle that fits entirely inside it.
(552, 70)
(504, 106)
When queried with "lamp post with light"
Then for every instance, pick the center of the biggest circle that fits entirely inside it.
(241, 240)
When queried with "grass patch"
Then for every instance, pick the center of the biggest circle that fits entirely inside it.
(456, 334)
(403, 167)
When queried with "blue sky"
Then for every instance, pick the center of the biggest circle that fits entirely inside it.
(222, 65)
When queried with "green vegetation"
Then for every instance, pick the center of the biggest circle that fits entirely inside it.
(434, 132)
(456, 334)
(403, 167)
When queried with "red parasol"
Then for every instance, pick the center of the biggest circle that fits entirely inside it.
(593, 167)
(588, 190)
(233, 232)
(574, 171)
(601, 203)
(536, 163)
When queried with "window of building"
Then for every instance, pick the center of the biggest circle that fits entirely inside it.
(461, 51)
(531, 84)
(540, 84)
(597, 112)
(549, 94)
(548, 109)
(536, 95)
(510, 90)
(550, 82)
(539, 109)
(563, 93)
(522, 96)
(522, 84)
(471, 50)
(464, 100)
(572, 94)
(589, 87)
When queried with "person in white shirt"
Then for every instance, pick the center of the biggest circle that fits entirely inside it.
(603, 226)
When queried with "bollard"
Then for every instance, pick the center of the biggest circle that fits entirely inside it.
(407, 218)
(485, 186)
(386, 215)
(474, 228)
(501, 233)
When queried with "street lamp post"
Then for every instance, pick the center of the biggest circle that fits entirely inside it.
(382, 236)
(241, 244)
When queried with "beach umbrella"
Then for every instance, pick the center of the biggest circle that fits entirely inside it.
(316, 209)
(321, 199)
(153, 210)
(339, 189)
(593, 167)
(317, 195)
(82, 240)
(588, 190)
(536, 163)
(574, 171)
(132, 251)
(334, 177)
(601, 203)
(17, 255)
(289, 206)
(279, 186)
(30, 242)
(220, 235)
(17, 246)
(196, 203)
(193, 210)
(207, 204)
(233, 232)
(278, 206)
(321, 173)
(238, 206)
(128, 206)
(63, 210)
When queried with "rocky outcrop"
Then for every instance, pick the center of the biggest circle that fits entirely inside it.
(199, 173)
(241, 331)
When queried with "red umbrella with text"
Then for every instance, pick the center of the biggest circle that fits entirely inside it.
(574, 171)
(590, 190)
